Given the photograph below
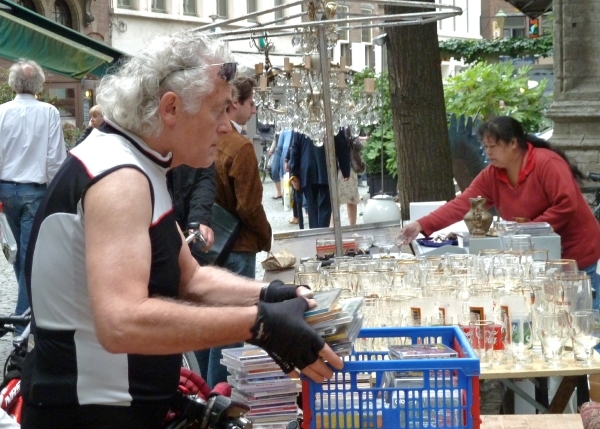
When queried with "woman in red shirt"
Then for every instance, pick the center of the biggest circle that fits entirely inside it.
(529, 179)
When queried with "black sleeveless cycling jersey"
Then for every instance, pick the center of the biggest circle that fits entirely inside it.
(67, 365)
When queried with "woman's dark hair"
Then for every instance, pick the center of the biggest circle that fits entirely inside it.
(506, 128)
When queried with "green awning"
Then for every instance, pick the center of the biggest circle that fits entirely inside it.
(26, 34)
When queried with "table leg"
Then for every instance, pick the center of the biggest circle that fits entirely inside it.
(563, 394)
(541, 391)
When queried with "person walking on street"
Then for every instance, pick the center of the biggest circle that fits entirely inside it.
(116, 295)
(32, 151)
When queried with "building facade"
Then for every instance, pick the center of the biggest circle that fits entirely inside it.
(73, 97)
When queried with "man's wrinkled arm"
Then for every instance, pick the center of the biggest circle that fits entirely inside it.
(126, 318)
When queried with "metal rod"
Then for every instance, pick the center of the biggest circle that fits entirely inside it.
(411, 19)
(329, 141)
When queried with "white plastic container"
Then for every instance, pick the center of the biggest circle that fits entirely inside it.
(7, 239)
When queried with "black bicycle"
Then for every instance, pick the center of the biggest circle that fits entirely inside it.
(264, 162)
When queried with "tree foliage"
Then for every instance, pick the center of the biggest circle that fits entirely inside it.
(497, 89)
(483, 50)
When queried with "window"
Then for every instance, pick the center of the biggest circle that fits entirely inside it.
(124, 4)
(279, 13)
(159, 5)
(62, 13)
(515, 26)
(366, 33)
(345, 51)
(369, 57)
(189, 7)
(342, 13)
(222, 11)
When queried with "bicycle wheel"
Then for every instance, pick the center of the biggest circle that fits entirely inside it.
(262, 168)
(189, 361)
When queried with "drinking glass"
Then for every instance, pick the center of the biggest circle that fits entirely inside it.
(520, 339)
(554, 333)
(482, 341)
(585, 329)
(520, 243)
(506, 229)
(364, 242)
(385, 242)
(558, 266)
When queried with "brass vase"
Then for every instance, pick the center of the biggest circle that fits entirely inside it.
(478, 219)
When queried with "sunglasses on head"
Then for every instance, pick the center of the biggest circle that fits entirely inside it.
(227, 71)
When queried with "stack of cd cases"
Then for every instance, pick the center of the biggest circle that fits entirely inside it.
(337, 321)
(259, 382)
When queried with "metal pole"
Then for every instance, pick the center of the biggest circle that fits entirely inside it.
(329, 142)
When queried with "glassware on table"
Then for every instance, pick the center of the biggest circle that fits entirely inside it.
(520, 243)
(554, 331)
(520, 339)
(505, 229)
(385, 242)
(482, 340)
(312, 280)
(364, 242)
(585, 330)
(311, 266)
(558, 266)
(576, 291)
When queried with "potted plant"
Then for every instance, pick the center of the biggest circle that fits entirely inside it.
(380, 134)
(372, 156)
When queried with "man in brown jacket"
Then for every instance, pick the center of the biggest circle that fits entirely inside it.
(239, 188)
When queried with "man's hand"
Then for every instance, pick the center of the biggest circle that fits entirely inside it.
(277, 291)
(295, 183)
(209, 237)
(281, 331)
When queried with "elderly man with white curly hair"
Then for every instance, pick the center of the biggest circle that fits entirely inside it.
(116, 294)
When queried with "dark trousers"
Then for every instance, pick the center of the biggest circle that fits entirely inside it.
(318, 204)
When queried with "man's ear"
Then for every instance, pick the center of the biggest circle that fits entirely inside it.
(169, 107)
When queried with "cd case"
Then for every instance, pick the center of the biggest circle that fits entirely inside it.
(325, 301)
(421, 351)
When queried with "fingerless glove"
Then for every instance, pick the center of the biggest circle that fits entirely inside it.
(277, 291)
(281, 331)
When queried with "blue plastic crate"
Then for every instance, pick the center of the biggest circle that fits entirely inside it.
(374, 392)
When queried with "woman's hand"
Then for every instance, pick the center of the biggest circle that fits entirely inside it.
(409, 232)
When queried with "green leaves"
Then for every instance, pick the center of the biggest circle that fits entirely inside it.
(382, 132)
(497, 89)
(481, 50)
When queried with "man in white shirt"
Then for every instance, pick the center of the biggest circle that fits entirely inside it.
(31, 151)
